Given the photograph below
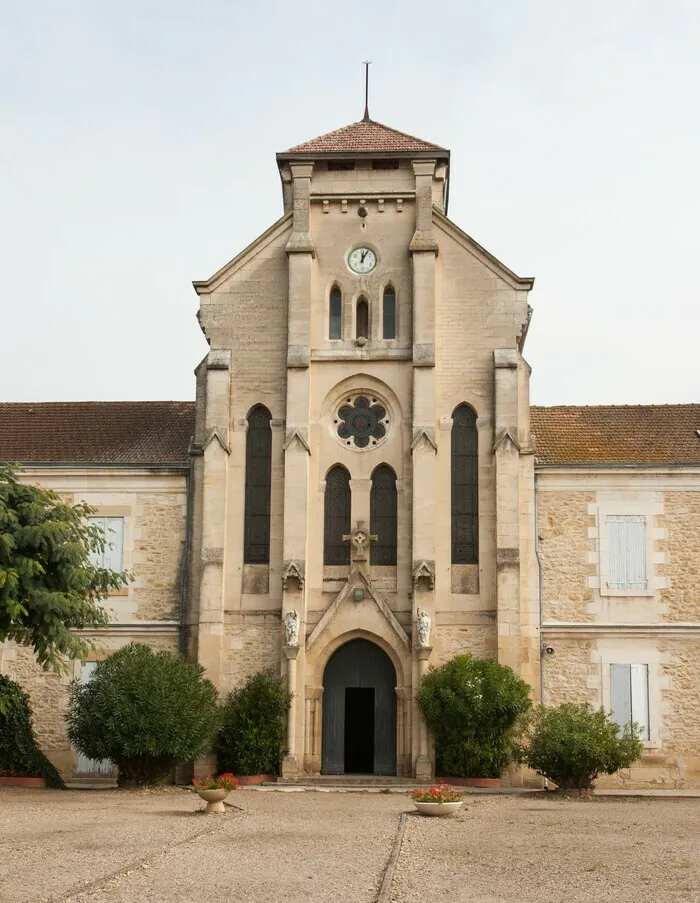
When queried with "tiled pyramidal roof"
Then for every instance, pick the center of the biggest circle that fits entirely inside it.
(96, 432)
(367, 137)
(617, 434)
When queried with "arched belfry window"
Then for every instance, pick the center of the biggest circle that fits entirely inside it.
(335, 314)
(336, 516)
(465, 486)
(258, 479)
(362, 319)
(389, 313)
(383, 515)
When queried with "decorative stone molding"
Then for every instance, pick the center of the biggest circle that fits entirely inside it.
(294, 434)
(503, 439)
(445, 423)
(505, 358)
(298, 356)
(424, 570)
(293, 571)
(425, 435)
(212, 556)
(240, 425)
(219, 359)
(507, 557)
(424, 354)
(217, 434)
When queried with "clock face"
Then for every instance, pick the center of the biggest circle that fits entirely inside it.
(362, 260)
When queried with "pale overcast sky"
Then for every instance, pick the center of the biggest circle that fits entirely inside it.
(137, 142)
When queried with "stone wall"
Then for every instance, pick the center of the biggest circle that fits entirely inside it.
(252, 643)
(157, 556)
(563, 522)
(681, 521)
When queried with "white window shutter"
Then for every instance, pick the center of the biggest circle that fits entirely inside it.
(114, 546)
(639, 686)
(620, 695)
(96, 557)
(627, 560)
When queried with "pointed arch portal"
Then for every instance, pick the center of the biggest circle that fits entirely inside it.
(359, 711)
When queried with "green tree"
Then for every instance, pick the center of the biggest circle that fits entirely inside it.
(146, 711)
(473, 707)
(19, 752)
(49, 587)
(252, 735)
(571, 744)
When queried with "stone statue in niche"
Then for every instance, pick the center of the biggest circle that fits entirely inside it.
(291, 628)
(423, 626)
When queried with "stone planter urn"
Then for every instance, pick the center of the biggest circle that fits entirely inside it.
(214, 790)
(437, 808)
(214, 799)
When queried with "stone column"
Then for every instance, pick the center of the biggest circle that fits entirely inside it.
(424, 764)
(215, 451)
(507, 457)
(424, 249)
(290, 764)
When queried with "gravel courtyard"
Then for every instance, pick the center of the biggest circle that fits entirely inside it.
(81, 846)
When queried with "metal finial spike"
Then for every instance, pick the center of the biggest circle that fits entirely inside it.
(366, 64)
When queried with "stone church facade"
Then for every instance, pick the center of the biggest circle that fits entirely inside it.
(362, 488)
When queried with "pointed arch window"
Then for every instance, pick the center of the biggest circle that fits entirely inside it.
(362, 319)
(335, 314)
(336, 516)
(465, 486)
(258, 482)
(383, 516)
(389, 313)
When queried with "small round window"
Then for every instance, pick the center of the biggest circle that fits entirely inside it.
(361, 421)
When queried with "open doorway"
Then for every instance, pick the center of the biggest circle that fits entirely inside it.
(359, 730)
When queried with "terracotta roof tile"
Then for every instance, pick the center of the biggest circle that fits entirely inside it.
(365, 136)
(96, 432)
(617, 434)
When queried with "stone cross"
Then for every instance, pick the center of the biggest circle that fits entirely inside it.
(359, 540)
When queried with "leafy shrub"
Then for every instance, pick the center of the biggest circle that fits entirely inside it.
(19, 753)
(473, 707)
(252, 735)
(573, 743)
(145, 710)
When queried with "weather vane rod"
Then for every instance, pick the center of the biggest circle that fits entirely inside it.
(366, 64)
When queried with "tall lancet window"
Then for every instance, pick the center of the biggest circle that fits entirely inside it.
(336, 516)
(465, 486)
(383, 515)
(258, 480)
(362, 319)
(335, 314)
(389, 313)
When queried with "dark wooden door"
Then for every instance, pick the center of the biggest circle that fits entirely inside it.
(359, 663)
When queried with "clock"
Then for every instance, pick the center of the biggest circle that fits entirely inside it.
(362, 260)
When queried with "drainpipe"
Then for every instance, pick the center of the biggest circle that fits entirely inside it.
(185, 559)
(539, 594)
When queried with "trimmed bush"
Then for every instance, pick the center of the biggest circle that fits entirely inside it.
(147, 711)
(252, 735)
(573, 743)
(19, 752)
(473, 707)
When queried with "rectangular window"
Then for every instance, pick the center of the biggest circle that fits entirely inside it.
(335, 320)
(340, 165)
(385, 164)
(389, 314)
(627, 559)
(113, 555)
(629, 696)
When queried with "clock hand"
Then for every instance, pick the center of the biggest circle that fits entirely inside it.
(362, 258)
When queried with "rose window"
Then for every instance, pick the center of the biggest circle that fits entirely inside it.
(361, 421)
